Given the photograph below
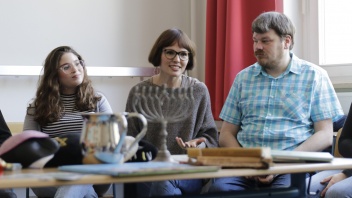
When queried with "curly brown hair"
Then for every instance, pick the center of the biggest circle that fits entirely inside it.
(48, 105)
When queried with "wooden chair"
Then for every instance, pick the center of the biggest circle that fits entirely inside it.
(336, 146)
(15, 127)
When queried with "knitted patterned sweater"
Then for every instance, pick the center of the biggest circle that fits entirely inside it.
(198, 123)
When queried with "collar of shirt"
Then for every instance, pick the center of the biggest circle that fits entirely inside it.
(292, 67)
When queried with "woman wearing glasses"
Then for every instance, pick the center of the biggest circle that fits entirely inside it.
(173, 53)
(64, 92)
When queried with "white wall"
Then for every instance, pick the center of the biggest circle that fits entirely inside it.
(106, 33)
(293, 9)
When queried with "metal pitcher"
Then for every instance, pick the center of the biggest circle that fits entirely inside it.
(104, 135)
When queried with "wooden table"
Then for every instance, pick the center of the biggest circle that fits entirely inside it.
(41, 177)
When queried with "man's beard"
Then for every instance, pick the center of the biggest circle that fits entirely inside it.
(265, 61)
(262, 59)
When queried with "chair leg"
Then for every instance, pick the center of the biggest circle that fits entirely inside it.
(27, 192)
(114, 190)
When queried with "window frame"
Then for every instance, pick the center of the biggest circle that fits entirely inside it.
(313, 45)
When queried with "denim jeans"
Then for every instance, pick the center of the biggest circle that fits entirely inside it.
(75, 191)
(176, 187)
(7, 193)
(339, 189)
(241, 183)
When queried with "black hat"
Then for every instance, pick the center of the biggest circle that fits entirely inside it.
(70, 151)
(146, 152)
(29, 148)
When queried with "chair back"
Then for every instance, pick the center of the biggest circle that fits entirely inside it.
(336, 146)
(15, 127)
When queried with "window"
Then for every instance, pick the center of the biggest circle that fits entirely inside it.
(335, 41)
(327, 39)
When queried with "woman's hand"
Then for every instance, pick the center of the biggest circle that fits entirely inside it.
(190, 144)
(333, 179)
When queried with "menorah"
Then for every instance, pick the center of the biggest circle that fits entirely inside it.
(163, 105)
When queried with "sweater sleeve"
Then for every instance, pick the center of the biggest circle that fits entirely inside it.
(205, 118)
(4, 129)
(345, 140)
(29, 122)
(104, 105)
(133, 123)
(347, 172)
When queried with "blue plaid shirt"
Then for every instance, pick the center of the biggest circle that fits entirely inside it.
(280, 112)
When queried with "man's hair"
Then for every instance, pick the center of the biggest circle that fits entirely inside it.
(276, 21)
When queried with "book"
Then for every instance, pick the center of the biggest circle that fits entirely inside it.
(137, 168)
(300, 156)
(240, 157)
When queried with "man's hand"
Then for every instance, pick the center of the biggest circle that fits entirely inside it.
(264, 179)
(190, 144)
(333, 179)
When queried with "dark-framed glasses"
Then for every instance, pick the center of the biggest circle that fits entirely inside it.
(171, 54)
(67, 68)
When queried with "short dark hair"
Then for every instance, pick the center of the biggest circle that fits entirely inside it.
(168, 38)
(279, 22)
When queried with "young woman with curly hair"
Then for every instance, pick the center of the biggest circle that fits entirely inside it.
(64, 93)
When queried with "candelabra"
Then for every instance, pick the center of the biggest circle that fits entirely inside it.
(163, 105)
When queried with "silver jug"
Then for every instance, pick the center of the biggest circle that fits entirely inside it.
(104, 136)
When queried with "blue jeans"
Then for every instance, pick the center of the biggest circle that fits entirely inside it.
(176, 187)
(241, 183)
(7, 193)
(75, 191)
(339, 189)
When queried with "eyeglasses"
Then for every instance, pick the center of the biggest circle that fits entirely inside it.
(66, 68)
(171, 54)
